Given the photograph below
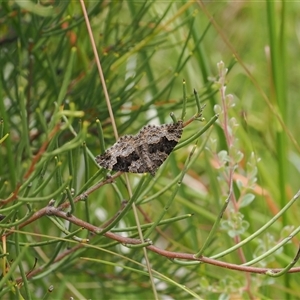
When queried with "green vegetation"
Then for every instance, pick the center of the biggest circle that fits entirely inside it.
(219, 219)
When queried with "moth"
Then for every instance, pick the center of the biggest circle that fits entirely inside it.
(144, 152)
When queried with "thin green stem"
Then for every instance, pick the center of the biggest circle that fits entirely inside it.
(133, 198)
(101, 136)
(70, 198)
(87, 174)
(287, 268)
(174, 193)
(184, 100)
(214, 229)
(48, 197)
(64, 87)
(145, 226)
(45, 182)
(197, 134)
(21, 267)
(260, 230)
(274, 249)
(197, 99)
(13, 267)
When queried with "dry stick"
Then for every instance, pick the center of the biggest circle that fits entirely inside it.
(50, 210)
(111, 114)
(53, 211)
(43, 211)
(116, 136)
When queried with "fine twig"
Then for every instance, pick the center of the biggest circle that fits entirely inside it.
(53, 211)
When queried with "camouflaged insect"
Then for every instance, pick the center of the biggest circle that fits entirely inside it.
(144, 152)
